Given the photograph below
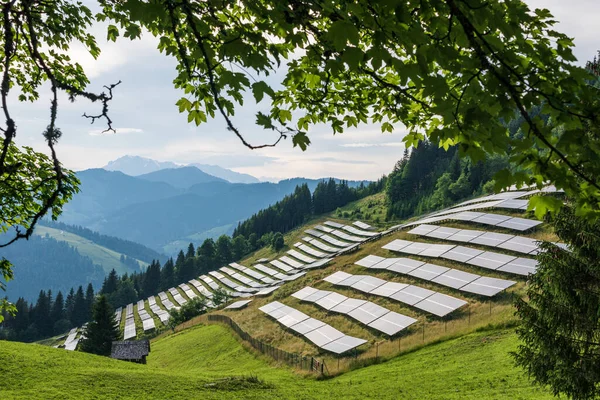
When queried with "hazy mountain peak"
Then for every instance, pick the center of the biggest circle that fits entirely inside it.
(136, 165)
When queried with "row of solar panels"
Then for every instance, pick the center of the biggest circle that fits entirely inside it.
(484, 259)
(129, 331)
(424, 299)
(318, 332)
(454, 278)
(499, 220)
(366, 312)
(512, 193)
(519, 244)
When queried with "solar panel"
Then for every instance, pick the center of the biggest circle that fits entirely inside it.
(397, 245)
(333, 241)
(392, 323)
(442, 232)
(461, 254)
(310, 250)
(465, 235)
(513, 204)
(337, 277)
(359, 232)
(268, 308)
(520, 224)
(351, 280)
(455, 278)
(319, 294)
(322, 246)
(416, 248)
(436, 250)
(492, 239)
(520, 266)
(299, 256)
(491, 219)
(440, 304)
(334, 224)
(388, 289)
(314, 233)
(521, 244)
(348, 305)
(423, 229)
(331, 300)
(343, 344)
(238, 304)
(266, 291)
(323, 335)
(368, 312)
(293, 318)
(289, 278)
(362, 225)
(347, 237)
(467, 216)
(404, 265)
(412, 294)
(368, 283)
(318, 264)
(385, 263)
(148, 324)
(282, 266)
(280, 312)
(487, 286)
(307, 325)
(266, 270)
(428, 271)
(289, 261)
(323, 228)
(490, 260)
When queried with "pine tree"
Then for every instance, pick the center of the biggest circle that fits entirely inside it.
(42, 315)
(102, 330)
(191, 252)
(223, 253)
(167, 275)
(80, 314)
(111, 283)
(58, 308)
(89, 300)
(151, 282)
(69, 303)
(559, 330)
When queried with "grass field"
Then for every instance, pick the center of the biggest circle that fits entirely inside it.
(100, 255)
(208, 362)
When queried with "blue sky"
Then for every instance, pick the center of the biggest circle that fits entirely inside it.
(150, 125)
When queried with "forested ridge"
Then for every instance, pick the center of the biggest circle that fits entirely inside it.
(125, 247)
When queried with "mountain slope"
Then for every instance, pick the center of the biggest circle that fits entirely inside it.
(135, 165)
(44, 263)
(204, 362)
(224, 173)
(181, 178)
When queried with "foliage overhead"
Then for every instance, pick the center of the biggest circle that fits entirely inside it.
(559, 331)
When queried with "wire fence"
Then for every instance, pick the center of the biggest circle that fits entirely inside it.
(295, 360)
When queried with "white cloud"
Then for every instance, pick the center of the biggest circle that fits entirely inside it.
(119, 131)
(361, 145)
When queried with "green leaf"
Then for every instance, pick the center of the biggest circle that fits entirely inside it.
(112, 33)
(260, 88)
(543, 204)
(301, 139)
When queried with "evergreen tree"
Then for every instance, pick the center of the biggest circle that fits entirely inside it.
(151, 282)
(167, 275)
(69, 303)
(559, 331)
(89, 300)
(111, 283)
(277, 242)
(102, 330)
(239, 247)
(58, 308)
(223, 250)
(191, 252)
(80, 312)
(41, 315)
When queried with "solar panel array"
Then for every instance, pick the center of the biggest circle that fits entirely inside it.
(72, 340)
(503, 221)
(484, 259)
(179, 299)
(424, 299)
(362, 225)
(188, 291)
(519, 244)
(160, 313)
(147, 320)
(449, 277)
(168, 304)
(238, 304)
(129, 331)
(254, 274)
(321, 334)
(366, 312)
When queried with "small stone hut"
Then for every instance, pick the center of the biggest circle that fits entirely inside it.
(131, 350)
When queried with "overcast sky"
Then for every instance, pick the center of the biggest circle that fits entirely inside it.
(150, 125)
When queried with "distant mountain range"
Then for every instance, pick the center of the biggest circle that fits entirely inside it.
(171, 206)
(135, 166)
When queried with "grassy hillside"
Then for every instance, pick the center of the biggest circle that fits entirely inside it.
(208, 362)
(101, 255)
